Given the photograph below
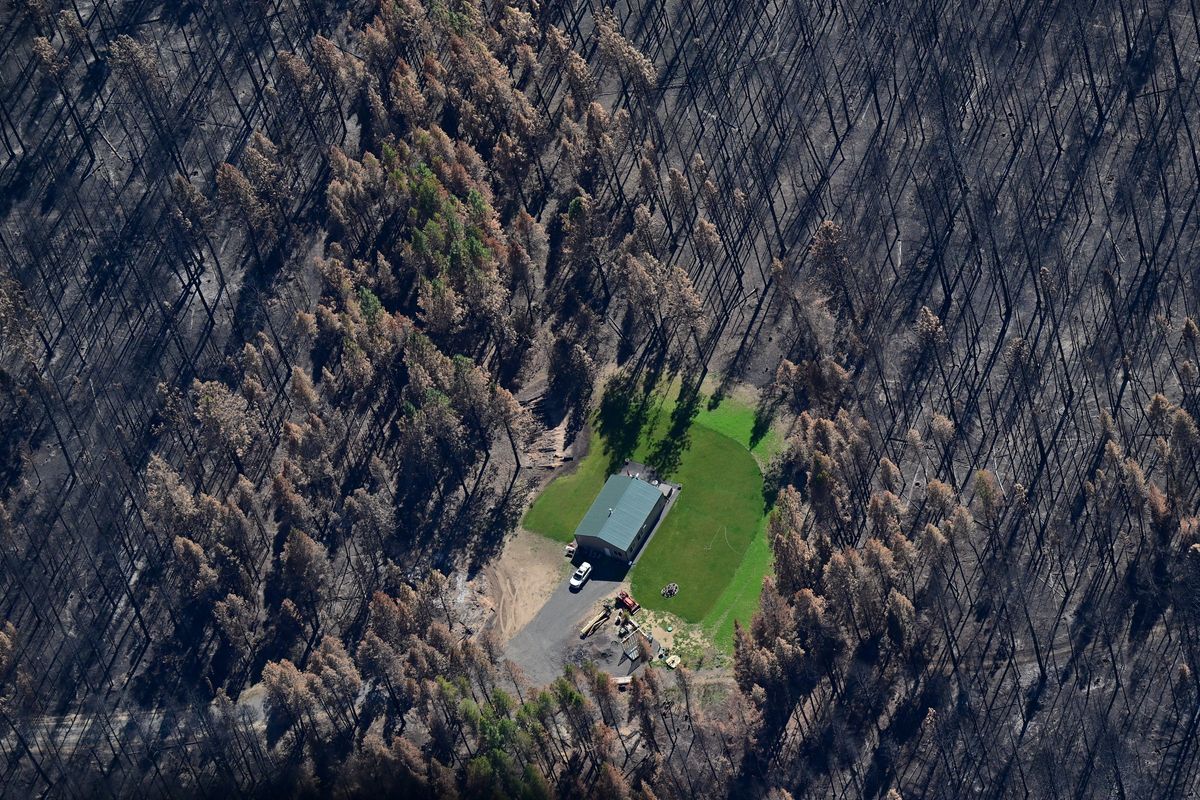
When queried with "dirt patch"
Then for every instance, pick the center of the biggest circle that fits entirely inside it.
(744, 393)
(548, 451)
(690, 642)
(551, 456)
(551, 452)
(521, 579)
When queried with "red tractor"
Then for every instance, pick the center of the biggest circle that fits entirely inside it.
(626, 600)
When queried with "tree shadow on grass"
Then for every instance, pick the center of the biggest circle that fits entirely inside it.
(626, 416)
(623, 411)
(667, 452)
(764, 415)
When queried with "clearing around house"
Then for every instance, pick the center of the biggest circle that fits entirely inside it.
(713, 542)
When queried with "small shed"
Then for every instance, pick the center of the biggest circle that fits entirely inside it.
(621, 517)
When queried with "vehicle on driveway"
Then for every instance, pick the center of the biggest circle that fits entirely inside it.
(580, 575)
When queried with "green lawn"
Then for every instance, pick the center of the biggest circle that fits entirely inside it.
(701, 542)
(736, 420)
(713, 542)
(739, 601)
(563, 503)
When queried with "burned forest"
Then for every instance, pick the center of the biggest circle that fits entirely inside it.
(324, 322)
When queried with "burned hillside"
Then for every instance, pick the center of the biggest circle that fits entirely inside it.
(293, 292)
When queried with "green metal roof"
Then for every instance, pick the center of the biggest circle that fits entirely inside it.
(619, 510)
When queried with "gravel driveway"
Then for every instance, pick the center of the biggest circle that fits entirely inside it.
(551, 638)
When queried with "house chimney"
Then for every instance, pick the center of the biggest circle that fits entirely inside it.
(610, 512)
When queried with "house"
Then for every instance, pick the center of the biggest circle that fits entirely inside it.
(621, 517)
